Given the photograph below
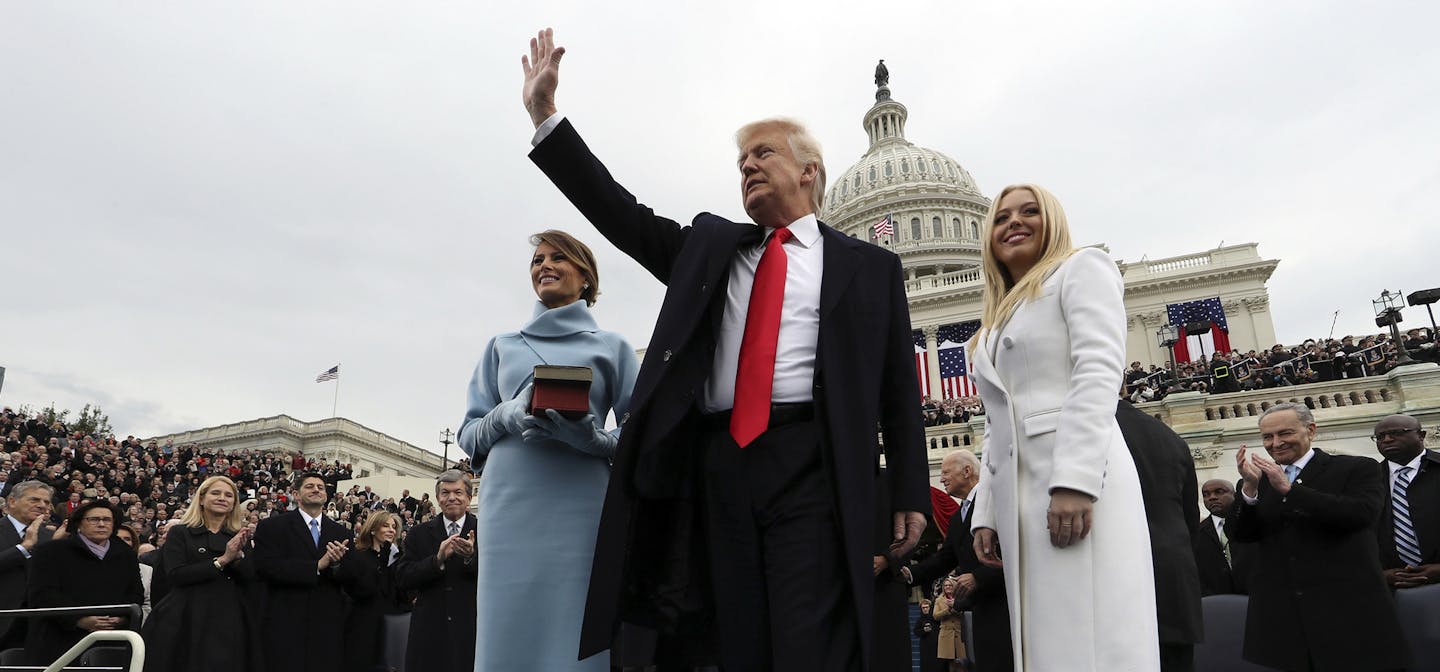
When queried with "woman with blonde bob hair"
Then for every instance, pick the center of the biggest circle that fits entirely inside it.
(203, 622)
(1058, 501)
(374, 594)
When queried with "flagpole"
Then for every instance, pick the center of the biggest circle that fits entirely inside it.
(336, 403)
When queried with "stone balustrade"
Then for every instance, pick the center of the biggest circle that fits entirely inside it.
(329, 439)
(1216, 425)
(943, 282)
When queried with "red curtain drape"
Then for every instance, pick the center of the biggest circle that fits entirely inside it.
(1182, 348)
(942, 506)
(1222, 339)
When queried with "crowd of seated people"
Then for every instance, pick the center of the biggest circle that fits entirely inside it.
(951, 409)
(1313, 361)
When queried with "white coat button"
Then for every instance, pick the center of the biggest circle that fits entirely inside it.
(1007, 342)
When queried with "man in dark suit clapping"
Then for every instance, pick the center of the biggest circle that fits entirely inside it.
(439, 567)
(742, 500)
(22, 529)
(1313, 515)
(299, 554)
(1409, 529)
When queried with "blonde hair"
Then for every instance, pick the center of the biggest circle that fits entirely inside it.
(803, 146)
(579, 254)
(195, 514)
(1003, 293)
(365, 540)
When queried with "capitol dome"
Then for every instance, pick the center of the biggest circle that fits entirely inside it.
(934, 206)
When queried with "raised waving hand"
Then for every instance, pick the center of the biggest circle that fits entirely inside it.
(542, 76)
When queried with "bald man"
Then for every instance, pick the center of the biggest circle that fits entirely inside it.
(1409, 529)
(982, 586)
(1223, 562)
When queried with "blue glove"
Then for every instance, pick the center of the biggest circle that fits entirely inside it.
(507, 416)
(581, 434)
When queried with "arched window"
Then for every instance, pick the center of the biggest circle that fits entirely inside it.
(905, 166)
(872, 173)
(914, 228)
(936, 163)
(937, 228)
(974, 229)
(950, 167)
(920, 165)
(959, 230)
(889, 169)
(857, 178)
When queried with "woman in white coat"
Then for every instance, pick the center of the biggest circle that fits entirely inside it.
(1058, 503)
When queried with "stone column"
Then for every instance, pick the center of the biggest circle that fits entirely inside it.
(932, 372)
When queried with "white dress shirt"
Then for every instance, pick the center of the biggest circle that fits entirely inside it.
(1299, 467)
(1414, 469)
(799, 313)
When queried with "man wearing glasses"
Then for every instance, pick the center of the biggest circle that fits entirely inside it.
(1409, 528)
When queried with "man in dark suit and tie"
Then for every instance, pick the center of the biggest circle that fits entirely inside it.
(1313, 515)
(1167, 484)
(298, 554)
(27, 505)
(1409, 529)
(438, 566)
(748, 455)
(1223, 562)
(980, 586)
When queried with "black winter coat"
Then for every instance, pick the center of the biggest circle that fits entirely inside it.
(204, 621)
(65, 573)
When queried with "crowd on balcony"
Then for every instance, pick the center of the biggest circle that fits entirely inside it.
(1312, 361)
(950, 410)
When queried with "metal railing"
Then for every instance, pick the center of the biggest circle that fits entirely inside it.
(132, 611)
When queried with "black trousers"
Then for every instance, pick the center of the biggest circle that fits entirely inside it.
(1177, 657)
(782, 597)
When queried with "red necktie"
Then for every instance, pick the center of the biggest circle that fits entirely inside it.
(755, 375)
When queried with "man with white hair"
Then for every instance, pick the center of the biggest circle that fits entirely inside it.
(748, 456)
(980, 586)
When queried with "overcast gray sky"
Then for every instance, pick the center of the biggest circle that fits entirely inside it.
(205, 204)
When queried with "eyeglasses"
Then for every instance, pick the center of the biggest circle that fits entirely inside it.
(1391, 434)
(97, 520)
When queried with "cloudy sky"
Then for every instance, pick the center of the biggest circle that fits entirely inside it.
(205, 204)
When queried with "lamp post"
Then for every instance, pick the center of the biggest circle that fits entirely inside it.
(1167, 336)
(1387, 314)
(445, 441)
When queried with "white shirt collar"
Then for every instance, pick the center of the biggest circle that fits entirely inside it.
(307, 518)
(1304, 460)
(19, 527)
(1414, 465)
(806, 231)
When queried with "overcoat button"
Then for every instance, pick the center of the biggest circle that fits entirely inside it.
(704, 287)
(1007, 342)
(625, 419)
(666, 356)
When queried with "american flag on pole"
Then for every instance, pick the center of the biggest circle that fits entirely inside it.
(329, 374)
(922, 362)
(954, 367)
(884, 227)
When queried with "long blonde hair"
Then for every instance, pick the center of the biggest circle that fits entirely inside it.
(195, 514)
(1002, 293)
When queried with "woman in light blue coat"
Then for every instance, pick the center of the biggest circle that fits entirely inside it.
(543, 479)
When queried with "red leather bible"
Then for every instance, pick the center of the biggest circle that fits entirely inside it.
(563, 388)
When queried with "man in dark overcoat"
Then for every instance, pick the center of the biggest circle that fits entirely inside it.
(1224, 563)
(1313, 515)
(22, 528)
(981, 588)
(742, 496)
(1167, 485)
(1409, 529)
(299, 557)
(438, 567)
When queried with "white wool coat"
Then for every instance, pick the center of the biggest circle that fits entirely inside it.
(1050, 380)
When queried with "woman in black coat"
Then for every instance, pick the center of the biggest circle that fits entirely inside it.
(374, 594)
(203, 622)
(90, 566)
